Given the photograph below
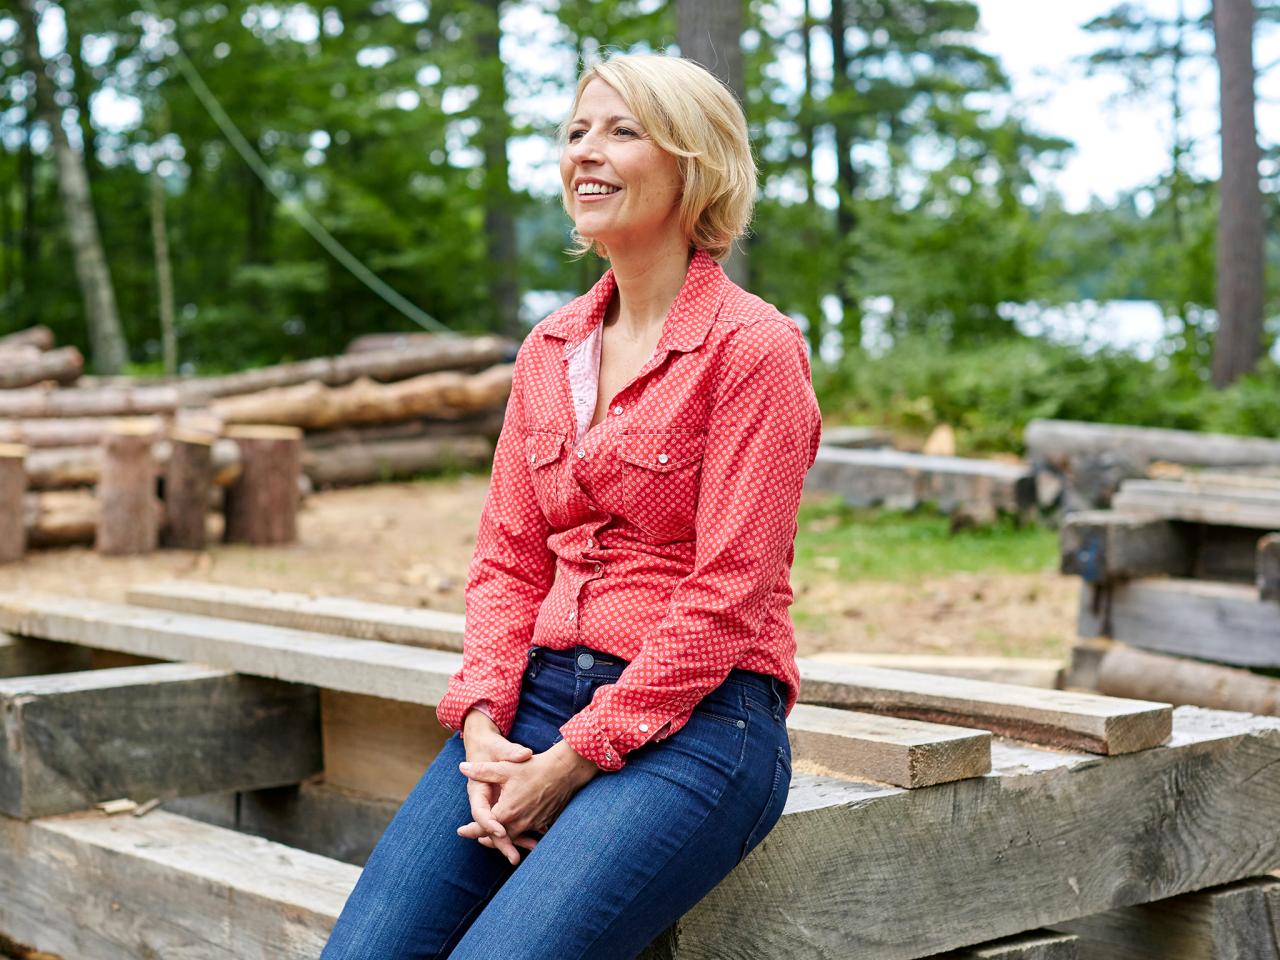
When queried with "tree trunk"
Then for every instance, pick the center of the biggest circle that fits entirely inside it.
(1238, 346)
(709, 32)
(187, 484)
(82, 89)
(13, 488)
(164, 274)
(129, 513)
(846, 183)
(262, 504)
(110, 351)
(499, 218)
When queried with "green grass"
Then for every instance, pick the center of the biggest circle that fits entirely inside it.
(839, 541)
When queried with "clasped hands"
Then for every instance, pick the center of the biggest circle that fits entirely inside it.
(515, 794)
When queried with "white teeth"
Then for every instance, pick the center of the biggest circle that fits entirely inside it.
(595, 188)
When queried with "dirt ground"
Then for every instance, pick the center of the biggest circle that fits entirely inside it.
(410, 544)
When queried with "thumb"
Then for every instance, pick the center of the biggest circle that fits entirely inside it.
(516, 752)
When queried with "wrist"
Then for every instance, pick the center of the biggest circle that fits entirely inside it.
(575, 764)
(476, 721)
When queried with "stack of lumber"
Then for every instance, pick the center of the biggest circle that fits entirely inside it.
(1180, 593)
(970, 491)
(925, 814)
(409, 406)
(1085, 463)
(29, 357)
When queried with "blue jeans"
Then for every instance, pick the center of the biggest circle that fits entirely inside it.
(630, 853)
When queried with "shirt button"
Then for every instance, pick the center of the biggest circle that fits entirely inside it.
(663, 458)
(533, 458)
(644, 727)
(572, 614)
(590, 542)
(608, 756)
(581, 454)
(617, 409)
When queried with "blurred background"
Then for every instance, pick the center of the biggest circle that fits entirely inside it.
(980, 212)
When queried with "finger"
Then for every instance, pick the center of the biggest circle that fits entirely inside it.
(516, 753)
(526, 840)
(472, 831)
(482, 812)
(507, 849)
(486, 771)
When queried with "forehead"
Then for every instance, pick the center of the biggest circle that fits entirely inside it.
(600, 100)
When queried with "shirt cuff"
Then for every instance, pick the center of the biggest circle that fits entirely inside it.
(587, 737)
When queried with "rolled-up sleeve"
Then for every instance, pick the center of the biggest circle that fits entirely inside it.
(762, 438)
(511, 571)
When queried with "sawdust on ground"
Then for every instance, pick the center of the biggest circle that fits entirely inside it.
(410, 544)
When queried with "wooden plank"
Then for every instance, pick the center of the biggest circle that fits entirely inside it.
(339, 615)
(857, 438)
(1104, 545)
(1037, 945)
(1238, 921)
(906, 753)
(1126, 671)
(24, 656)
(899, 480)
(1269, 568)
(1046, 439)
(1024, 671)
(74, 739)
(119, 888)
(1257, 507)
(882, 873)
(1222, 622)
(1054, 717)
(390, 670)
(376, 746)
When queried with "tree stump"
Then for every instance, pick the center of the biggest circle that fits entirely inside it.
(188, 481)
(13, 487)
(262, 503)
(128, 519)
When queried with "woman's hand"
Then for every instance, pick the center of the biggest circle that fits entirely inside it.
(485, 743)
(531, 795)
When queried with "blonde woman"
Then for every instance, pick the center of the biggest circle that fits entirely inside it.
(628, 661)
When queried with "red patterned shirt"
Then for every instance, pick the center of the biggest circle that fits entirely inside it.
(664, 535)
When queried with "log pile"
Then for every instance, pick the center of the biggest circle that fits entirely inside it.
(389, 408)
(896, 842)
(1179, 592)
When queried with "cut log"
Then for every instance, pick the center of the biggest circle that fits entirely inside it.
(122, 401)
(1231, 922)
(1104, 545)
(40, 337)
(1045, 439)
(1037, 945)
(1269, 568)
(262, 503)
(164, 886)
(70, 467)
(484, 424)
(74, 739)
(62, 366)
(1086, 663)
(1129, 672)
(903, 481)
(13, 491)
(128, 511)
(74, 432)
(376, 746)
(1023, 671)
(905, 753)
(299, 611)
(1222, 622)
(315, 406)
(60, 518)
(387, 460)
(188, 482)
(371, 342)
(1256, 505)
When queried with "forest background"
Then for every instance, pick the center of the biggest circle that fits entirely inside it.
(389, 124)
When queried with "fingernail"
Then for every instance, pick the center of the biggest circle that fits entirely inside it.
(464, 765)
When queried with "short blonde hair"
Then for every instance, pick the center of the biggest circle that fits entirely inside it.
(690, 114)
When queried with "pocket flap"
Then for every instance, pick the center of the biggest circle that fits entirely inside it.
(543, 448)
(661, 451)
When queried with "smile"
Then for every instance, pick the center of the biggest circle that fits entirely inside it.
(595, 191)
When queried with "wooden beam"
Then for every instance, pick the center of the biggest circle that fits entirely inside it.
(377, 746)
(1231, 922)
(1269, 568)
(1037, 945)
(118, 888)
(1025, 671)
(1054, 717)
(905, 753)
(1222, 622)
(1255, 505)
(1126, 671)
(74, 739)
(300, 611)
(1104, 545)
(1045, 439)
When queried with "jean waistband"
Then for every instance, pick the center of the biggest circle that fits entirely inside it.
(589, 662)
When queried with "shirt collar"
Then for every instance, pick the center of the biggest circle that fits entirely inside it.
(686, 325)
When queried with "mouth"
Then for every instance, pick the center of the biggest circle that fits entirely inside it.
(592, 191)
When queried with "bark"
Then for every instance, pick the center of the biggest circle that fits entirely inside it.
(188, 482)
(499, 217)
(1238, 345)
(60, 519)
(487, 424)
(1129, 672)
(40, 337)
(80, 432)
(110, 351)
(709, 32)
(164, 275)
(846, 181)
(13, 488)
(262, 504)
(384, 460)
(128, 521)
(18, 368)
(63, 468)
(314, 406)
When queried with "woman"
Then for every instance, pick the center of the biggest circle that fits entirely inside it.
(628, 660)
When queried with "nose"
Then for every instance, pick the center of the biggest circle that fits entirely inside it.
(584, 149)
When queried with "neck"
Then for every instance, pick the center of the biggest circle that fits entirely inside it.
(648, 281)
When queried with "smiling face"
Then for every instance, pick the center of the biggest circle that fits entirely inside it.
(620, 187)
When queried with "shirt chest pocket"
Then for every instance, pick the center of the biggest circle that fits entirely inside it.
(544, 455)
(659, 475)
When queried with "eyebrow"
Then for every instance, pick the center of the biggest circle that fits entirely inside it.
(616, 117)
